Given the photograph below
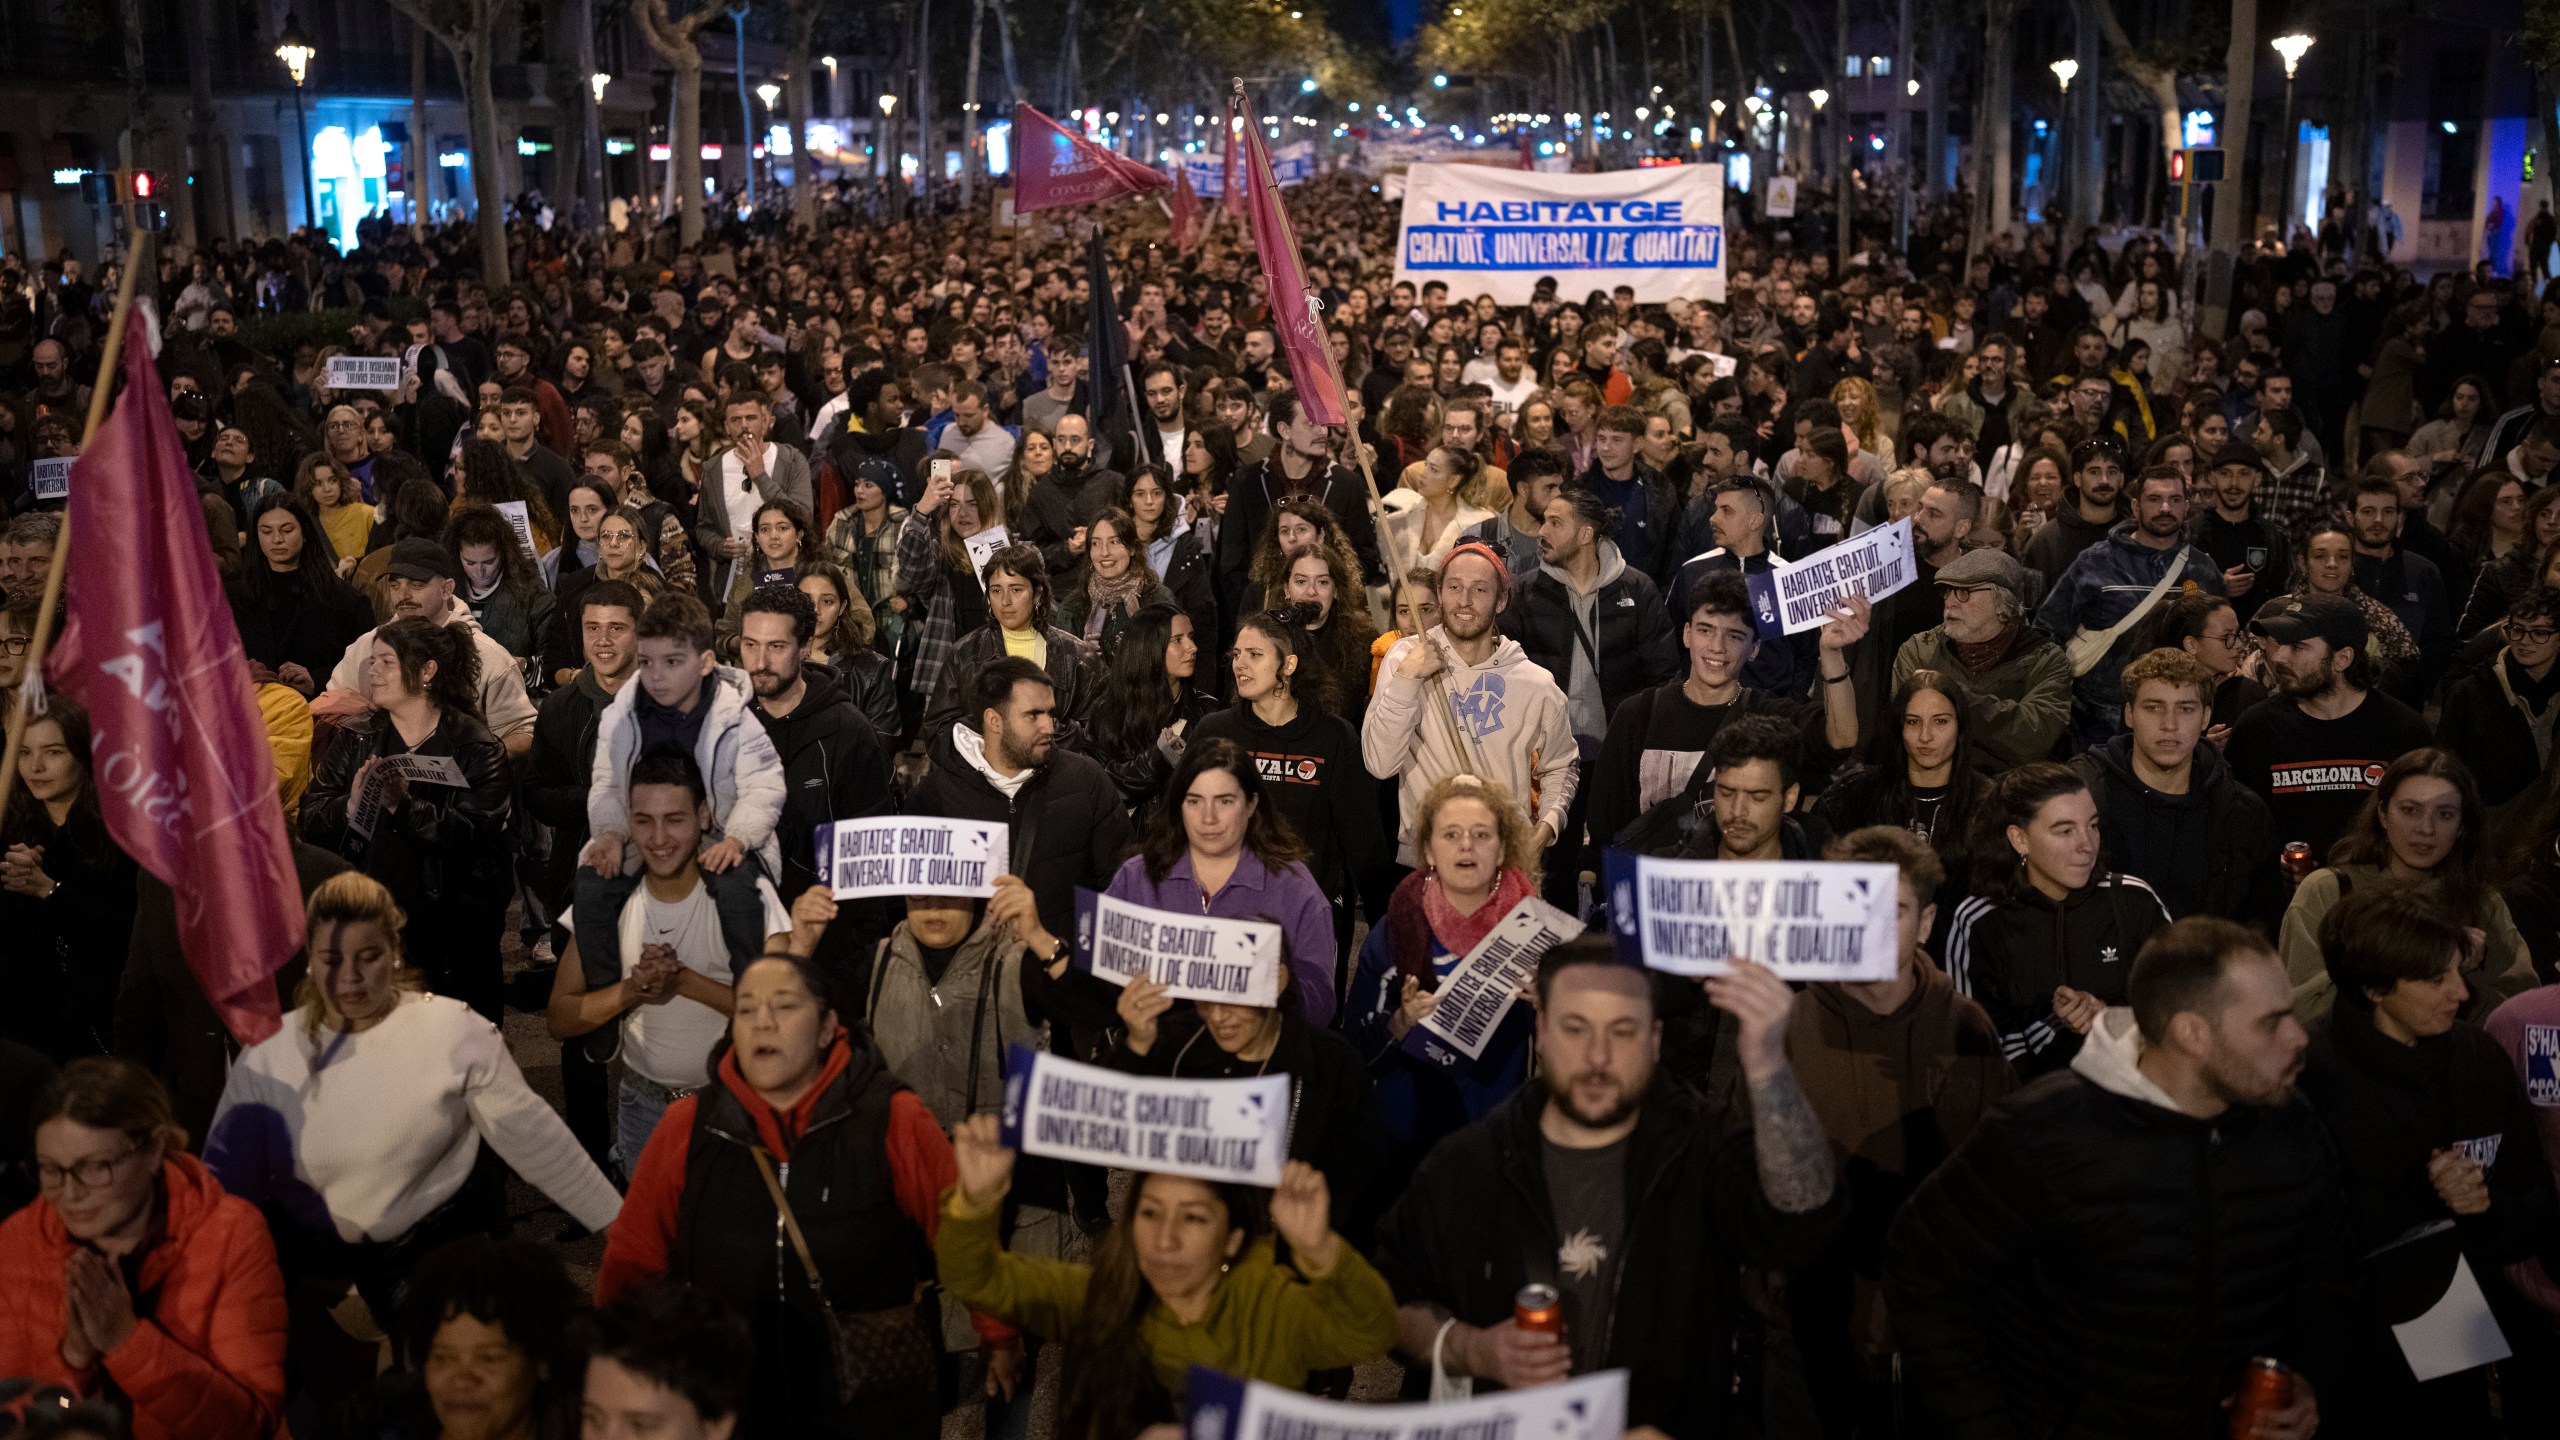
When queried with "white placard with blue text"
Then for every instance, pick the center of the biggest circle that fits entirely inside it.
(362, 372)
(1195, 957)
(1484, 989)
(1484, 231)
(1797, 595)
(913, 855)
(1218, 1406)
(1804, 919)
(50, 478)
(1230, 1130)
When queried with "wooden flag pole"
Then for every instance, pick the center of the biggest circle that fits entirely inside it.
(22, 714)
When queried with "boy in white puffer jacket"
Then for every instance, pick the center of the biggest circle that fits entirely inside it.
(682, 698)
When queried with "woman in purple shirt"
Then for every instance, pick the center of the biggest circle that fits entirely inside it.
(1220, 851)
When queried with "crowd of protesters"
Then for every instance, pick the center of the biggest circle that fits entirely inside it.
(2211, 744)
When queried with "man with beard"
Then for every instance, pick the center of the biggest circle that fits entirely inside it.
(2092, 505)
(2314, 749)
(2253, 555)
(2407, 584)
(2096, 603)
(1300, 463)
(832, 763)
(1165, 430)
(1625, 1190)
(1065, 500)
(2121, 1238)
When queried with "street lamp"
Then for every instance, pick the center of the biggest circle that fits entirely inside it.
(2291, 48)
(294, 48)
(1819, 98)
(597, 82)
(2064, 70)
(769, 93)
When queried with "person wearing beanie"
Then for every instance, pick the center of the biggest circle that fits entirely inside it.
(1460, 698)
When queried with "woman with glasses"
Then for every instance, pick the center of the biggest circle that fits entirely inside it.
(2206, 627)
(133, 1274)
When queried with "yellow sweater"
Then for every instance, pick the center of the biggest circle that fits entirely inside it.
(1265, 1323)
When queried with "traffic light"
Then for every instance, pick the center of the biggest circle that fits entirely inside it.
(2197, 165)
(2178, 166)
(145, 184)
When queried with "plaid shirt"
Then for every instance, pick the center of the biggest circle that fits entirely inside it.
(922, 576)
(2292, 499)
(872, 560)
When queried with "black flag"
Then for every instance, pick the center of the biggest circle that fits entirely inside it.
(1106, 350)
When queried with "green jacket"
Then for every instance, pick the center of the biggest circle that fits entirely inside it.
(2020, 705)
(1266, 1322)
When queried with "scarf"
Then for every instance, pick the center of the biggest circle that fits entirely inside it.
(1462, 933)
(1978, 658)
(1122, 594)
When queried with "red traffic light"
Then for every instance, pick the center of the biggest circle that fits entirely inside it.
(2177, 164)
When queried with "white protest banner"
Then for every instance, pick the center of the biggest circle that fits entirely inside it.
(366, 810)
(1218, 1406)
(1804, 919)
(1484, 231)
(1484, 989)
(1294, 164)
(913, 855)
(1195, 957)
(362, 372)
(50, 478)
(1794, 595)
(982, 547)
(522, 520)
(1234, 1130)
(1208, 171)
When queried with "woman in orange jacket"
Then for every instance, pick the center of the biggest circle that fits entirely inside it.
(133, 1269)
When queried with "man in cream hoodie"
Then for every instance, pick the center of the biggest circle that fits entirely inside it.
(1494, 714)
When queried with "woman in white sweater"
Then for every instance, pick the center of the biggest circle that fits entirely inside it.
(357, 1126)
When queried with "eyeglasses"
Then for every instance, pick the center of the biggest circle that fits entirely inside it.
(91, 1174)
(2533, 634)
(15, 644)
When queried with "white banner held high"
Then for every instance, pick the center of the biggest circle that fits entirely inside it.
(1235, 1130)
(913, 855)
(1804, 919)
(1485, 231)
(362, 372)
(1795, 595)
(1195, 957)
(1221, 1407)
(1485, 987)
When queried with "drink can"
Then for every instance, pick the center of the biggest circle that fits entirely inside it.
(2297, 861)
(2265, 1388)
(1539, 1308)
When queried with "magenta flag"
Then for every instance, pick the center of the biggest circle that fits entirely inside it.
(185, 772)
(1184, 214)
(1293, 310)
(1055, 166)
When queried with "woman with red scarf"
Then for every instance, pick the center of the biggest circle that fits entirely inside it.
(1479, 860)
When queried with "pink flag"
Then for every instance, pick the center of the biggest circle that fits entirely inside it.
(184, 771)
(1055, 166)
(1293, 310)
(1185, 214)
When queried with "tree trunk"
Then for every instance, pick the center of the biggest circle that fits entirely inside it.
(480, 103)
(801, 86)
(1067, 58)
(1012, 77)
(208, 215)
(2231, 206)
(2088, 130)
(1992, 211)
(925, 158)
(685, 158)
(593, 187)
(969, 105)
(1844, 191)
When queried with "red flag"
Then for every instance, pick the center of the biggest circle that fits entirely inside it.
(1185, 212)
(184, 771)
(1054, 166)
(1293, 310)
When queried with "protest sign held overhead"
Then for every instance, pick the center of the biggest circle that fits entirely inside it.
(913, 855)
(1804, 919)
(1233, 1130)
(1218, 1406)
(1195, 957)
(1797, 595)
(1483, 992)
(1498, 232)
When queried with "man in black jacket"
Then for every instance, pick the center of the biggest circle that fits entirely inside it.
(2169, 809)
(564, 753)
(1622, 1188)
(1299, 464)
(2499, 718)
(833, 767)
(2116, 1241)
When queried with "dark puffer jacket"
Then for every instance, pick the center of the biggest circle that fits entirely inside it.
(2211, 851)
(1478, 1223)
(2093, 1263)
